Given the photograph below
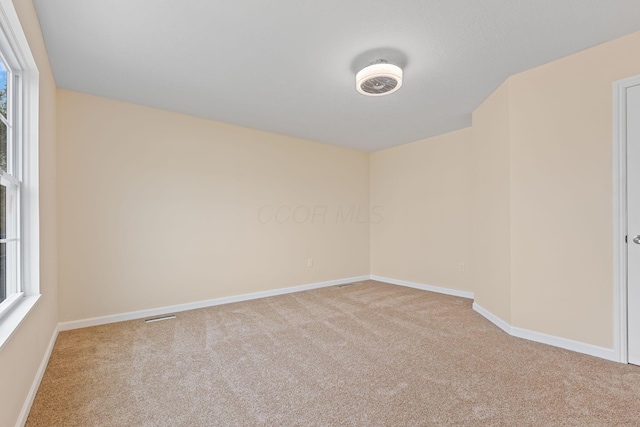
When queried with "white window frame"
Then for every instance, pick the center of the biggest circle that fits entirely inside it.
(17, 54)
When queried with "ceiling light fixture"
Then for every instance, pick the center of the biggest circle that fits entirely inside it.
(379, 78)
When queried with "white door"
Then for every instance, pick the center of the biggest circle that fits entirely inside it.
(633, 222)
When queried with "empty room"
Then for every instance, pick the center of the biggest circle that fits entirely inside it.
(290, 213)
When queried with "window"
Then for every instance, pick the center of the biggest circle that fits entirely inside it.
(10, 284)
(19, 231)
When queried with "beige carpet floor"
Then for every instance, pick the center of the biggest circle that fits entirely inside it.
(371, 354)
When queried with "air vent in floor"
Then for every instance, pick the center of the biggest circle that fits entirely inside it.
(157, 319)
(346, 285)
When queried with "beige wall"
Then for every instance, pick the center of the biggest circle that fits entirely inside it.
(422, 192)
(561, 192)
(158, 208)
(491, 237)
(543, 247)
(21, 356)
(540, 199)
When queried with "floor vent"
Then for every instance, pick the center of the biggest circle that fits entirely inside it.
(157, 319)
(346, 285)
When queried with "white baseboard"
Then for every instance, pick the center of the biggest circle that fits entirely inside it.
(26, 407)
(430, 288)
(577, 346)
(103, 320)
(493, 318)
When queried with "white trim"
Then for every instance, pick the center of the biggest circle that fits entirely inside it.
(580, 347)
(8, 304)
(619, 166)
(30, 199)
(492, 318)
(430, 288)
(95, 321)
(26, 407)
(577, 346)
(15, 36)
(14, 317)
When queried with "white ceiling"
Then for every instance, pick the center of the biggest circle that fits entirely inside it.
(288, 66)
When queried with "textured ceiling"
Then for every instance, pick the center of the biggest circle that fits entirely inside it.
(288, 66)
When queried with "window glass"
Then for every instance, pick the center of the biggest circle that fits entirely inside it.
(3, 89)
(3, 116)
(3, 146)
(3, 246)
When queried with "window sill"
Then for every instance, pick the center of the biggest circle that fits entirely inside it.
(10, 321)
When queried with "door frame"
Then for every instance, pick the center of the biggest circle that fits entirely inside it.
(619, 163)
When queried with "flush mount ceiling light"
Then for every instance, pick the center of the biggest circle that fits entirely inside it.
(379, 78)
